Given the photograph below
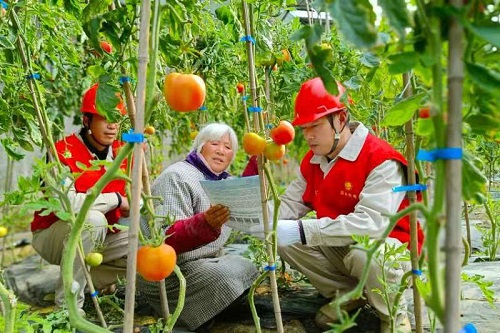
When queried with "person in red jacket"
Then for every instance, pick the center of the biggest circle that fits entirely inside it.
(96, 141)
(347, 178)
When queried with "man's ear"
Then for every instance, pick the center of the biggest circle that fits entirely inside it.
(343, 116)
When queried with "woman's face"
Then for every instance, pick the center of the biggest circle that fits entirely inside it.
(218, 154)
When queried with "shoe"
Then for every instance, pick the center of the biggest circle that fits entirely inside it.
(109, 290)
(403, 326)
(328, 314)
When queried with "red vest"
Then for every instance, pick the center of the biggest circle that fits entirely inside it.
(70, 152)
(338, 193)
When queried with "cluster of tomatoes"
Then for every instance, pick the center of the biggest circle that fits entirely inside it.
(273, 149)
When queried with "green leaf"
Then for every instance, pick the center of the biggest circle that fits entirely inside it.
(424, 127)
(473, 180)
(397, 14)
(5, 43)
(225, 14)
(95, 8)
(12, 150)
(355, 20)
(96, 71)
(402, 62)
(369, 60)
(484, 77)
(403, 111)
(106, 101)
(490, 33)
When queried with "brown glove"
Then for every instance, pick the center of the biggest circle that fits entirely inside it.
(217, 215)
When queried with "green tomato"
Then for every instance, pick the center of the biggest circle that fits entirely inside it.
(93, 259)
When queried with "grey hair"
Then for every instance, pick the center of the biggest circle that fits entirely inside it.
(214, 132)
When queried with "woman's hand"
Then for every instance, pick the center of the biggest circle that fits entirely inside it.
(217, 215)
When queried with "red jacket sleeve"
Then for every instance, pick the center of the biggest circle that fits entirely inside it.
(251, 169)
(191, 233)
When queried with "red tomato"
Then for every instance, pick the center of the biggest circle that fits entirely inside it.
(184, 92)
(283, 133)
(240, 87)
(106, 47)
(156, 263)
(274, 152)
(424, 112)
(253, 143)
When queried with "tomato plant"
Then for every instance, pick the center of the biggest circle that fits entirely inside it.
(424, 112)
(253, 143)
(184, 92)
(3, 231)
(273, 151)
(93, 259)
(240, 87)
(283, 133)
(156, 263)
(106, 47)
(149, 130)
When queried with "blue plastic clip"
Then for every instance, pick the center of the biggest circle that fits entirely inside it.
(247, 39)
(34, 76)
(254, 109)
(440, 154)
(270, 268)
(124, 79)
(244, 98)
(132, 137)
(416, 187)
(4, 5)
(94, 294)
(203, 108)
(416, 272)
(269, 126)
(469, 328)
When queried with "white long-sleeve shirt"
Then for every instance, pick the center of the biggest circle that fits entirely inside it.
(377, 201)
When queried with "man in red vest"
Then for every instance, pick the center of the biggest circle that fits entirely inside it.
(347, 178)
(96, 141)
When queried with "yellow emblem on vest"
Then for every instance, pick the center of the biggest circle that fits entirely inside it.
(348, 186)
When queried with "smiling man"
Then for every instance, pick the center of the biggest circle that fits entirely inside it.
(346, 178)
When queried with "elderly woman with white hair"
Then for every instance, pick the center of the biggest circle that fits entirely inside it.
(213, 279)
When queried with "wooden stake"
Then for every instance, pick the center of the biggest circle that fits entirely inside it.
(259, 124)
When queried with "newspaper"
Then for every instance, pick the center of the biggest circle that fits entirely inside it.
(242, 196)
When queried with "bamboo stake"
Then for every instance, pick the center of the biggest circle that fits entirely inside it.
(412, 198)
(258, 123)
(143, 58)
(453, 175)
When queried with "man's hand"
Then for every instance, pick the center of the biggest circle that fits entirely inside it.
(217, 215)
(124, 207)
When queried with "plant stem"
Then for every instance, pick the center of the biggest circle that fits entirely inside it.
(70, 290)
